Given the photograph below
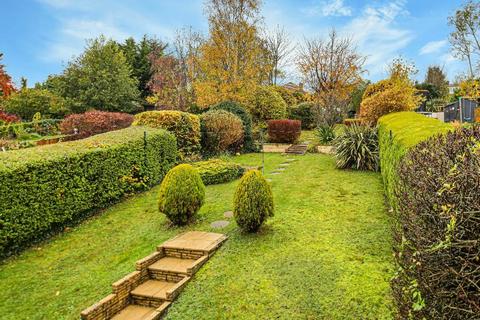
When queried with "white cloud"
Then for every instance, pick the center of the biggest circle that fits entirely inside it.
(82, 20)
(377, 35)
(433, 47)
(330, 8)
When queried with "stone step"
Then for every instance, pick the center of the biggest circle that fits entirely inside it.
(135, 312)
(146, 293)
(175, 269)
(155, 292)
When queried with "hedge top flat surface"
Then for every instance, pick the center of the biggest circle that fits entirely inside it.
(325, 255)
(17, 158)
(409, 128)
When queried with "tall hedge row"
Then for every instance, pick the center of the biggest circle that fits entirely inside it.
(42, 189)
(398, 132)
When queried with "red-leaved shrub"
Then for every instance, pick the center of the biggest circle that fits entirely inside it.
(8, 118)
(284, 131)
(94, 122)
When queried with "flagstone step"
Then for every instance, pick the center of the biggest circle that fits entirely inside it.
(146, 293)
(175, 269)
(135, 312)
(155, 292)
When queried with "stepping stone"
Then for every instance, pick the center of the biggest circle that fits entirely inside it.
(219, 224)
(280, 169)
(291, 160)
(228, 214)
(284, 164)
(275, 172)
(269, 180)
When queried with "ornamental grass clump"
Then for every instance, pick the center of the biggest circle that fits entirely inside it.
(253, 201)
(182, 194)
(357, 148)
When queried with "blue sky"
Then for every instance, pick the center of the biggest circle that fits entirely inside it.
(41, 36)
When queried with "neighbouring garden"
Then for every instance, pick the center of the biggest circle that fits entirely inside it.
(365, 209)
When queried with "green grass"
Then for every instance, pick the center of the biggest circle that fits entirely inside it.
(325, 255)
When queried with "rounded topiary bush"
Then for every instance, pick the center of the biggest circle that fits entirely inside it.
(267, 104)
(253, 201)
(182, 194)
(242, 113)
(221, 131)
(185, 126)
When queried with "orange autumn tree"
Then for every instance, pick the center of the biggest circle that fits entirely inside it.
(232, 62)
(6, 85)
(332, 68)
(397, 93)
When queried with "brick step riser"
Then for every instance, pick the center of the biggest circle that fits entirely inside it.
(147, 301)
(163, 275)
(183, 253)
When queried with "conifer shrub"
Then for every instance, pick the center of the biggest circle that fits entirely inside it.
(253, 201)
(182, 194)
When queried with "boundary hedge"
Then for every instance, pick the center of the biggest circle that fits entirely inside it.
(398, 132)
(45, 188)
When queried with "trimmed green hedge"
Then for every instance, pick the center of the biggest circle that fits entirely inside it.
(217, 171)
(42, 127)
(44, 188)
(397, 133)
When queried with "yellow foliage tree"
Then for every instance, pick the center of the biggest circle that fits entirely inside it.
(232, 62)
(397, 93)
(469, 89)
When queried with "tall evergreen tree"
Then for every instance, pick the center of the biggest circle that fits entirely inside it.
(100, 78)
(139, 56)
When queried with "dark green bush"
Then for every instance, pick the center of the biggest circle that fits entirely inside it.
(242, 113)
(44, 188)
(437, 239)
(185, 126)
(357, 148)
(303, 112)
(26, 102)
(182, 194)
(253, 201)
(217, 171)
(222, 131)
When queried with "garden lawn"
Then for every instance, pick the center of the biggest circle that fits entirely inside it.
(325, 255)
